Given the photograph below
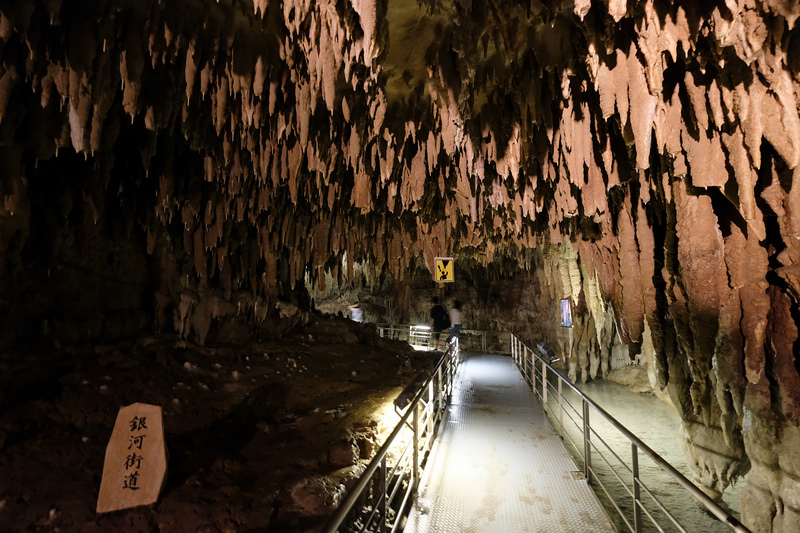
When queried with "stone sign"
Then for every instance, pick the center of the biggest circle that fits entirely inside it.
(135, 467)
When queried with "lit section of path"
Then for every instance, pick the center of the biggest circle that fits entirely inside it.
(498, 464)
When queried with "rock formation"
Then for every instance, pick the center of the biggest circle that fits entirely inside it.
(175, 164)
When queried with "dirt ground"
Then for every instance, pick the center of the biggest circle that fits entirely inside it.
(262, 437)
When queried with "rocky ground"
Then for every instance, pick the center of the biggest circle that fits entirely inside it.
(261, 437)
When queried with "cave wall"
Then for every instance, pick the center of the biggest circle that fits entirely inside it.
(177, 166)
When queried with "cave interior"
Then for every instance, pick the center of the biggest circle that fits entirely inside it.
(193, 193)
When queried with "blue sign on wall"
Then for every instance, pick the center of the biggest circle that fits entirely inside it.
(566, 313)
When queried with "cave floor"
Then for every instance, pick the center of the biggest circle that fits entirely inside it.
(499, 465)
(260, 436)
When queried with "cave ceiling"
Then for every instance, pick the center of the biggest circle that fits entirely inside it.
(256, 138)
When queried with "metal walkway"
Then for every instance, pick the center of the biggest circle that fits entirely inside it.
(498, 464)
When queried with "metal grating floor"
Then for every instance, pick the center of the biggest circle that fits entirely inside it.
(498, 464)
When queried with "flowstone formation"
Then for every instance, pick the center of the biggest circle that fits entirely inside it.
(198, 160)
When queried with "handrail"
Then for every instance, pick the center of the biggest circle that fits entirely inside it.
(519, 353)
(356, 514)
(424, 428)
(416, 335)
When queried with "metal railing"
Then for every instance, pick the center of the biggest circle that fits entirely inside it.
(419, 336)
(637, 512)
(383, 492)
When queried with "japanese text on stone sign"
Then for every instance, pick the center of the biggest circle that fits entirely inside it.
(133, 461)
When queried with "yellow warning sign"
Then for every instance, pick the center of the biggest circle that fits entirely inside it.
(444, 269)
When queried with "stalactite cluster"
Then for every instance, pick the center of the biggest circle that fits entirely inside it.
(639, 156)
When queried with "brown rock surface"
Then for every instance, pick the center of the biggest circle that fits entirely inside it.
(263, 436)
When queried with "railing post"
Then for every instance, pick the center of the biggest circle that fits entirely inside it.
(446, 374)
(560, 407)
(382, 511)
(525, 363)
(637, 512)
(514, 348)
(483, 335)
(544, 386)
(533, 372)
(416, 448)
(451, 374)
(587, 447)
(441, 396)
(529, 373)
(429, 418)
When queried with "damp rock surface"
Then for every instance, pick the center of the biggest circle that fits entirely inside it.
(267, 436)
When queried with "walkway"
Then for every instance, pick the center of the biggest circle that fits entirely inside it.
(498, 464)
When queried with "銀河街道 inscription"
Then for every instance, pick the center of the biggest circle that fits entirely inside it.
(135, 465)
(134, 460)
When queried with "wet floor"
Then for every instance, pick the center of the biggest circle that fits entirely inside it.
(498, 465)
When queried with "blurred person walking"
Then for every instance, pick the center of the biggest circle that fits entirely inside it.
(439, 321)
(455, 320)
